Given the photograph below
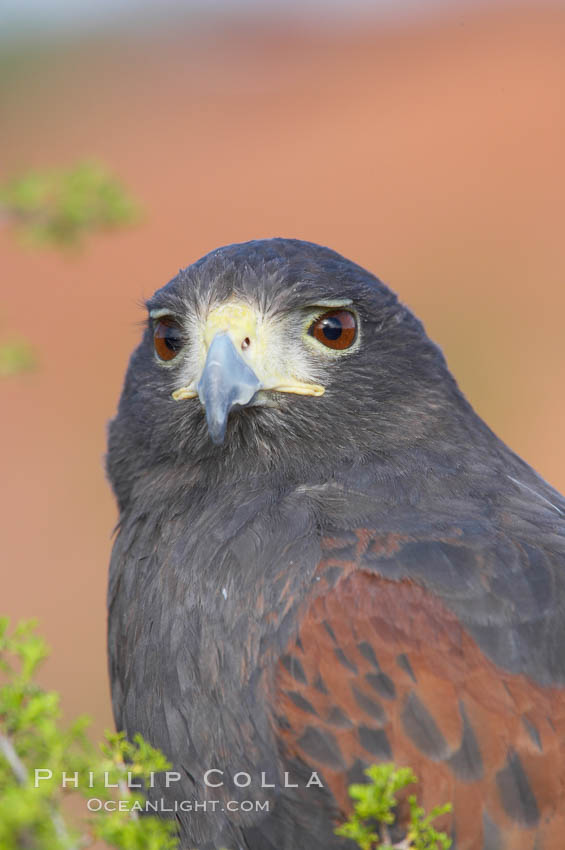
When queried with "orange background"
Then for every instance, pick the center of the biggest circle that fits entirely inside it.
(429, 150)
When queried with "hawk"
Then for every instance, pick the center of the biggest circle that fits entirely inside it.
(326, 559)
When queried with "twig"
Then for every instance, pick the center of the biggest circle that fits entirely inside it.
(20, 772)
(123, 787)
(18, 767)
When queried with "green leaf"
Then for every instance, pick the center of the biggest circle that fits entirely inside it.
(374, 810)
(59, 207)
(16, 356)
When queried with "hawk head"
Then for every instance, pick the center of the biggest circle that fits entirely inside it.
(275, 354)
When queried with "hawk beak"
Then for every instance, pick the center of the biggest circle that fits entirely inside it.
(230, 379)
(226, 382)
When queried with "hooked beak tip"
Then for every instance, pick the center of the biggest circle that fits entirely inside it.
(227, 381)
(217, 431)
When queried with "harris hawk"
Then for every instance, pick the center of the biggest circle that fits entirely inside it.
(326, 559)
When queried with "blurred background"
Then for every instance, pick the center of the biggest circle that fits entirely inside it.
(424, 140)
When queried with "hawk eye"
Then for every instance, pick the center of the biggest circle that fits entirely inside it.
(336, 329)
(167, 337)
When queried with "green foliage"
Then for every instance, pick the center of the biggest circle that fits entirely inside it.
(16, 356)
(32, 806)
(374, 811)
(58, 207)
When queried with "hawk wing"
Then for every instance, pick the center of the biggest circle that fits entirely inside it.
(441, 650)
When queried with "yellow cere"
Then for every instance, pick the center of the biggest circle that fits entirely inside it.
(299, 388)
(184, 392)
(243, 323)
(234, 317)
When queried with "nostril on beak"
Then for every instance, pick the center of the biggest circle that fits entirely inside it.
(227, 381)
